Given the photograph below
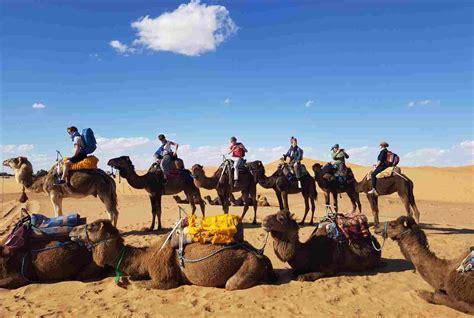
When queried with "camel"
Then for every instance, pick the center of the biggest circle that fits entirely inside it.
(398, 183)
(452, 288)
(153, 183)
(333, 187)
(43, 261)
(232, 268)
(282, 187)
(320, 256)
(222, 184)
(82, 183)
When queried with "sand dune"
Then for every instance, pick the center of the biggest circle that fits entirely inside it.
(445, 198)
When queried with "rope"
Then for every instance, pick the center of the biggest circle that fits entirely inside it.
(118, 273)
(196, 260)
(384, 235)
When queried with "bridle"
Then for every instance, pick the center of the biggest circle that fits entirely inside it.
(90, 245)
(385, 236)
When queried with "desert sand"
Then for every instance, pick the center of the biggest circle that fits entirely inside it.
(445, 197)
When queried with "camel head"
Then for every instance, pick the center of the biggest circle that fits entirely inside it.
(397, 229)
(197, 170)
(317, 168)
(256, 169)
(17, 163)
(281, 222)
(120, 163)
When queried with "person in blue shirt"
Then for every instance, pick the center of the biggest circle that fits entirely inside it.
(295, 153)
(165, 154)
(381, 165)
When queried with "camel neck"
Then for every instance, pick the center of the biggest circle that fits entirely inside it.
(209, 182)
(285, 245)
(267, 182)
(415, 249)
(132, 262)
(136, 181)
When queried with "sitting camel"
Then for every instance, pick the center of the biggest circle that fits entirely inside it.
(82, 183)
(320, 256)
(282, 187)
(399, 183)
(44, 261)
(232, 268)
(221, 182)
(452, 288)
(332, 186)
(153, 183)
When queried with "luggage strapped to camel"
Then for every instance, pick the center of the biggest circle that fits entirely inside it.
(225, 230)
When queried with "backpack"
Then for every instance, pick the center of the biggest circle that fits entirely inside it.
(90, 144)
(20, 234)
(392, 159)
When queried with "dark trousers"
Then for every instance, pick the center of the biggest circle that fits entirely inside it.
(374, 174)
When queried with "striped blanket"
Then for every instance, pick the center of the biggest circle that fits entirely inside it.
(44, 227)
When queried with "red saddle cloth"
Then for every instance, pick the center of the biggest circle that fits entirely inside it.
(355, 226)
(172, 174)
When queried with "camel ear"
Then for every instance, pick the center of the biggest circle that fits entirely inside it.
(292, 216)
(408, 221)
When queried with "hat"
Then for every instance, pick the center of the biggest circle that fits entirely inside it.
(335, 146)
(384, 144)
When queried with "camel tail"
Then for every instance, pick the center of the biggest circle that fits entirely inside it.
(411, 199)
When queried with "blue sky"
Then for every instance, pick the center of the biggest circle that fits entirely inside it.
(351, 72)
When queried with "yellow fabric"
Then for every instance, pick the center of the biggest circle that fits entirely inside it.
(90, 162)
(386, 173)
(218, 229)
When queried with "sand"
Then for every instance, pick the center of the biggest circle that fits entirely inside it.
(445, 198)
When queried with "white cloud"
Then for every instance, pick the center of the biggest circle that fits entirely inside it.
(17, 150)
(227, 101)
(38, 105)
(122, 48)
(192, 29)
(458, 155)
(117, 145)
(424, 102)
(363, 155)
(95, 56)
(309, 103)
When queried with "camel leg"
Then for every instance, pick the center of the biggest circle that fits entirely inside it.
(285, 200)
(253, 195)
(306, 208)
(438, 298)
(13, 282)
(310, 277)
(224, 201)
(374, 207)
(313, 209)
(110, 205)
(406, 203)
(190, 199)
(353, 196)
(202, 205)
(334, 197)
(245, 201)
(414, 207)
(249, 274)
(280, 200)
(153, 211)
(158, 209)
(57, 202)
(326, 198)
(359, 205)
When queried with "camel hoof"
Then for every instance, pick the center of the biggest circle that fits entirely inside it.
(301, 223)
(23, 198)
(311, 223)
(254, 222)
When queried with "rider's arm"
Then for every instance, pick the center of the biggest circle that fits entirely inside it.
(346, 155)
(77, 149)
(243, 147)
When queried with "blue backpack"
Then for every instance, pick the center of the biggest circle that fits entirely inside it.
(90, 144)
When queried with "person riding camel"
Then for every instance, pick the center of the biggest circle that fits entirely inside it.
(339, 157)
(80, 153)
(295, 153)
(165, 154)
(237, 150)
(381, 165)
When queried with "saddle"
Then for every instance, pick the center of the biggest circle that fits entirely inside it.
(331, 174)
(349, 228)
(88, 163)
(289, 172)
(37, 227)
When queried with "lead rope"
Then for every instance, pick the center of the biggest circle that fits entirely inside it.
(118, 272)
(384, 235)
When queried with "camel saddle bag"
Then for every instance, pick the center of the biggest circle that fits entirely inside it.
(20, 235)
(219, 229)
(354, 226)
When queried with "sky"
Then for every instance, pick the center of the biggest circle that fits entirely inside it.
(326, 72)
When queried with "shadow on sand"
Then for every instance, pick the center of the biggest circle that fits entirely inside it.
(445, 230)
(146, 232)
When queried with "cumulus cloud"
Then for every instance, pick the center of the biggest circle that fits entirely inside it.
(17, 150)
(38, 105)
(117, 145)
(192, 29)
(458, 155)
(424, 102)
(309, 103)
(227, 101)
(121, 48)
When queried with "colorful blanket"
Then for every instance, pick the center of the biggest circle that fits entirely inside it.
(88, 163)
(60, 226)
(354, 226)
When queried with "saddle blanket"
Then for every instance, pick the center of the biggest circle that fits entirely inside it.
(88, 163)
(355, 226)
(386, 173)
(467, 264)
(43, 226)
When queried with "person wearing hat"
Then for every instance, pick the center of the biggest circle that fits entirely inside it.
(295, 153)
(237, 150)
(381, 165)
(165, 154)
(339, 157)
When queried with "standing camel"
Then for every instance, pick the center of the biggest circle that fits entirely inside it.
(398, 183)
(333, 187)
(82, 183)
(221, 182)
(282, 187)
(153, 183)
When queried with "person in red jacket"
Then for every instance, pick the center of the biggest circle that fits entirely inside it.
(237, 150)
